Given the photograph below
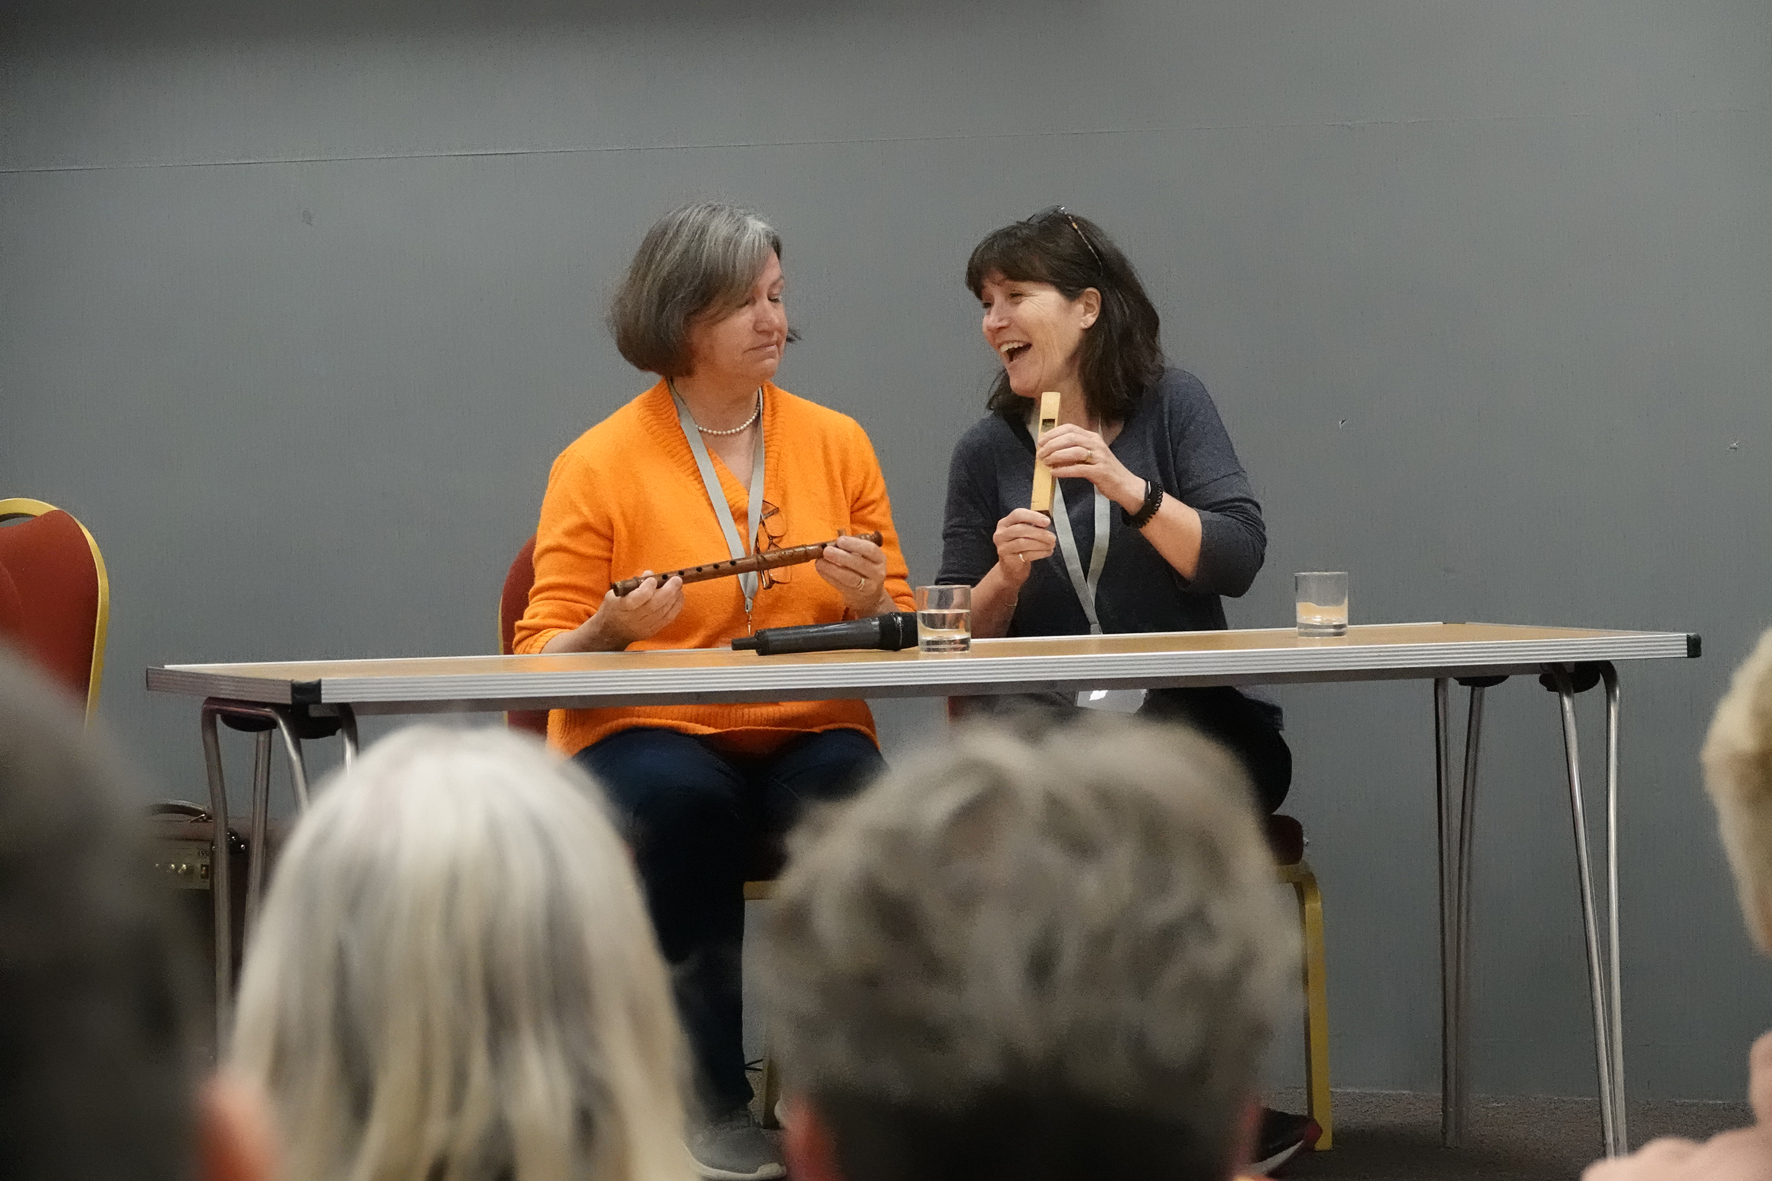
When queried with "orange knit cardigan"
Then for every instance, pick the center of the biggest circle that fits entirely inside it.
(626, 497)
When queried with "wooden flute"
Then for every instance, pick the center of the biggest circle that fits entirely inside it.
(748, 564)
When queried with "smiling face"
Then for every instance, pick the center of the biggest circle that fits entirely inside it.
(743, 346)
(1036, 332)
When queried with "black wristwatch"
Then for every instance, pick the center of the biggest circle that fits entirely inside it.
(1153, 500)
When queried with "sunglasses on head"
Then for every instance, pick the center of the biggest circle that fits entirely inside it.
(1066, 214)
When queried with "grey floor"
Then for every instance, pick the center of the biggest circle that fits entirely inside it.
(1393, 1136)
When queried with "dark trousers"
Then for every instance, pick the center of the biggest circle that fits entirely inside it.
(1247, 727)
(701, 823)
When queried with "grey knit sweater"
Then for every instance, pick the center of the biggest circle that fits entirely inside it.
(1173, 436)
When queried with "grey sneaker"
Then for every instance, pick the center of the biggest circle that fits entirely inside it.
(734, 1148)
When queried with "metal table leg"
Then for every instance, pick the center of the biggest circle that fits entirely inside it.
(1610, 1070)
(1455, 902)
(1621, 1136)
(1452, 1102)
(261, 819)
(347, 721)
(298, 763)
(1467, 827)
(221, 877)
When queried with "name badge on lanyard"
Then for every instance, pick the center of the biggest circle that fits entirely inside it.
(737, 546)
(1086, 585)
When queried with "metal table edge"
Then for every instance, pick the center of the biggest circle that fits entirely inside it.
(759, 679)
(973, 674)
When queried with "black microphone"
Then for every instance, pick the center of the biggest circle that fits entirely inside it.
(889, 633)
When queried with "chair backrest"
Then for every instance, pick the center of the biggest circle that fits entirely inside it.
(55, 598)
(511, 605)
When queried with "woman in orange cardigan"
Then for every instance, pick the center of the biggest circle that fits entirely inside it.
(713, 461)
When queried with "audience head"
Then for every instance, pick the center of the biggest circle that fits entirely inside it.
(1738, 775)
(96, 1069)
(455, 979)
(1025, 959)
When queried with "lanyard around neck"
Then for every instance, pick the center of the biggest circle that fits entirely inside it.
(1084, 584)
(747, 583)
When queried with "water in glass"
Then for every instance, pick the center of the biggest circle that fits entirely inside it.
(1322, 619)
(944, 631)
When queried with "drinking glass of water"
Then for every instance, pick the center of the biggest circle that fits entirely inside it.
(944, 619)
(1322, 602)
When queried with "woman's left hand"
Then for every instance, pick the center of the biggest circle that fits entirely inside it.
(1077, 453)
(857, 568)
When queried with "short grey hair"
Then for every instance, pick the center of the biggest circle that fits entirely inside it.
(697, 261)
(1079, 930)
(455, 977)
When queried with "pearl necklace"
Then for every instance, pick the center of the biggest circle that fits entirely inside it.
(743, 426)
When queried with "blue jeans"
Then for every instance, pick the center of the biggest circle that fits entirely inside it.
(702, 822)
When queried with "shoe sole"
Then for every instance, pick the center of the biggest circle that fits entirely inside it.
(1281, 1158)
(766, 1173)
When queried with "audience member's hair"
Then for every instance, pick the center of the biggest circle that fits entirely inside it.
(1032, 959)
(1738, 775)
(95, 1082)
(455, 978)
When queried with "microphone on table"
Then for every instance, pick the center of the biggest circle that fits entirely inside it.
(889, 633)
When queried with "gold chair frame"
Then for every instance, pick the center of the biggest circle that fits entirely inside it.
(24, 506)
(1303, 881)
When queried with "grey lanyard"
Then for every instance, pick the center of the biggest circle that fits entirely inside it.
(1084, 585)
(747, 583)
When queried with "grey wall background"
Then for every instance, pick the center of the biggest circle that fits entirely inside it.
(298, 302)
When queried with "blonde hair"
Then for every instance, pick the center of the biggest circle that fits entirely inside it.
(1738, 774)
(455, 978)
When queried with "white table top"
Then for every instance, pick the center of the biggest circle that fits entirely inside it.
(1145, 660)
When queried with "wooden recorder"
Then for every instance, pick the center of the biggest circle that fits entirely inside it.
(1041, 502)
(749, 564)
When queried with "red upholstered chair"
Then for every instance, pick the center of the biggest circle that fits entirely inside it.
(55, 598)
(511, 605)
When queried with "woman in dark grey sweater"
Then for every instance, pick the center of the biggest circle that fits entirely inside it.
(1161, 518)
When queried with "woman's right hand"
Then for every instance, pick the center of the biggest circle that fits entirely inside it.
(622, 619)
(1021, 538)
(639, 614)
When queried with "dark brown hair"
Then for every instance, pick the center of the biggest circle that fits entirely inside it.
(1122, 354)
(696, 261)
(95, 1015)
